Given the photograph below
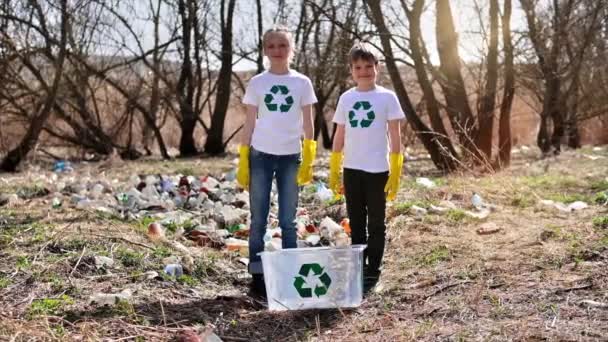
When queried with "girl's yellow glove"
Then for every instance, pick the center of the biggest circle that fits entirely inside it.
(309, 151)
(394, 177)
(242, 173)
(335, 166)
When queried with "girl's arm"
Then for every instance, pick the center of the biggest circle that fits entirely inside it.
(308, 122)
(338, 145)
(394, 135)
(251, 114)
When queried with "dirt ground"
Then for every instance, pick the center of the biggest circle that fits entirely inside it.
(526, 272)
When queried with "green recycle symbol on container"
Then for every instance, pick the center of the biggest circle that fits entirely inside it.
(304, 289)
(270, 99)
(370, 115)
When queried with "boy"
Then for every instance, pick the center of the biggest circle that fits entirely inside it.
(363, 116)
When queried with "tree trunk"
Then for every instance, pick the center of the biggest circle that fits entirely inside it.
(455, 92)
(215, 143)
(430, 100)
(185, 86)
(488, 98)
(442, 160)
(542, 139)
(504, 124)
(15, 156)
(260, 59)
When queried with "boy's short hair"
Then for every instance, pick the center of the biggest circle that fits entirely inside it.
(362, 50)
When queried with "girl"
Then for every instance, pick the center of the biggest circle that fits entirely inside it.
(279, 109)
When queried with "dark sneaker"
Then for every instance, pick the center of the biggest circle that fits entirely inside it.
(370, 279)
(369, 283)
(258, 287)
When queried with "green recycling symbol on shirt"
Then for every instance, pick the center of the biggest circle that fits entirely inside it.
(270, 98)
(370, 115)
(305, 290)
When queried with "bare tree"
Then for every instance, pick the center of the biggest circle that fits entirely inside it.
(442, 160)
(325, 32)
(560, 35)
(214, 144)
(32, 19)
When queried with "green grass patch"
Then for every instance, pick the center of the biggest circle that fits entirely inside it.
(4, 282)
(74, 245)
(403, 208)
(600, 185)
(49, 306)
(23, 263)
(435, 256)
(161, 252)
(600, 222)
(456, 215)
(522, 200)
(601, 198)
(57, 283)
(130, 258)
(569, 198)
(187, 280)
(550, 181)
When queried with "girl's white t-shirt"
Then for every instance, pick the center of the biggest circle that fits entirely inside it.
(365, 115)
(279, 99)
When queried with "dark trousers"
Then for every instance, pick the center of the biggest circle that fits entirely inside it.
(366, 204)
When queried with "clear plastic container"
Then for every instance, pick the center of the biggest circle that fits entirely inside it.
(316, 277)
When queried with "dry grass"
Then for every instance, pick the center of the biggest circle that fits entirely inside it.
(441, 280)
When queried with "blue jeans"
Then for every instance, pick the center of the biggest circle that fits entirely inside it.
(262, 168)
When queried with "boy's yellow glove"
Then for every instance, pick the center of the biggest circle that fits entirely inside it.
(309, 151)
(335, 166)
(394, 177)
(242, 173)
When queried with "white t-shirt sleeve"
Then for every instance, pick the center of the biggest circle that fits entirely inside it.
(251, 97)
(340, 115)
(308, 93)
(394, 108)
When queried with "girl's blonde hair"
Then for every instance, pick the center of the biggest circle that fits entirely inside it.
(281, 30)
(278, 30)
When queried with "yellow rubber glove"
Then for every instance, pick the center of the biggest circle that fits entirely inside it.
(394, 176)
(309, 151)
(335, 166)
(242, 173)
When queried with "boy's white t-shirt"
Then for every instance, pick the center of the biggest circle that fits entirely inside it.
(279, 99)
(365, 116)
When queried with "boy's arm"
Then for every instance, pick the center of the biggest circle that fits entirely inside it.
(338, 144)
(308, 122)
(251, 114)
(394, 135)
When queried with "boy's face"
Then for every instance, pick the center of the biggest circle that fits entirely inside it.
(364, 72)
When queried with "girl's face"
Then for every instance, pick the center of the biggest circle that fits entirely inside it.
(277, 48)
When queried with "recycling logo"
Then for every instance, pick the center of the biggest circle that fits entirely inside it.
(272, 99)
(304, 286)
(369, 114)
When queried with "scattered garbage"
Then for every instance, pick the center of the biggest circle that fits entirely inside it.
(323, 194)
(56, 203)
(477, 201)
(110, 299)
(418, 211)
(488, 228)
(425, 182)
(574, 206)
(174, 270)
(103, 262)
(62, 166)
